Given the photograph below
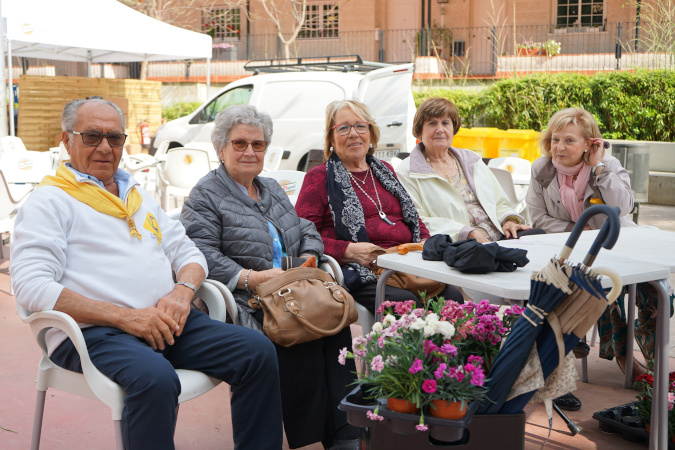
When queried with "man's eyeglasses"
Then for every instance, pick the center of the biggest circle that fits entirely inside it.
(240, 145)
(93, 138)
(344, 129)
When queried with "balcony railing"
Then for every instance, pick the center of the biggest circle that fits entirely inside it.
(438, 52)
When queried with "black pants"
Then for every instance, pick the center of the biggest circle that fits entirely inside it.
(366, 295)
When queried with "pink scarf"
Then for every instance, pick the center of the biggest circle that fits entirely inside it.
(571, 190)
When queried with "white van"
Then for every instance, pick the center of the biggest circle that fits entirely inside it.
(297, 101)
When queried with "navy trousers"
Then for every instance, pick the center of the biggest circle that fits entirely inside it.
(242, 358)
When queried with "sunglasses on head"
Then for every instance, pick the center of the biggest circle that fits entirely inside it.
(94, 138)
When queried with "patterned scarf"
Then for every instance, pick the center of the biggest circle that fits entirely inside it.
(571, 190)
(97, 197)
(347, 212)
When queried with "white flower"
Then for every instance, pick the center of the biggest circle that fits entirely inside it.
(430, 329)
(446, 329)
(388, 320)
(431, 318)
(391, 360)
(377, 327)
(418, 324)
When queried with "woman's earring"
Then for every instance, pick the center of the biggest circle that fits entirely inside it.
(331, 148)
(586, 151)
(371, 145)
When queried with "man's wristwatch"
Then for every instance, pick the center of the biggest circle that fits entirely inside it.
(595, 167)
(188, 285)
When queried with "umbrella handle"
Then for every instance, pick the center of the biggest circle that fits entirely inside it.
(617, 283)
(607, 237)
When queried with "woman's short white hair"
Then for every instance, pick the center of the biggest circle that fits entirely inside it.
(235, 115)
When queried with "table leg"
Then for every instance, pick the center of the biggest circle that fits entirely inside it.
(630, 339)
(659, 434)
(380, 290)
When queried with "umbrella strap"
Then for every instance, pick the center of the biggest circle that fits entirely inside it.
(554, 322)
(538, 312)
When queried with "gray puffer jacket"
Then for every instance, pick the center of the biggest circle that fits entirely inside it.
(232, 232)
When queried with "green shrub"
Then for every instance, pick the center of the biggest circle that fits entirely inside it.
(627, 105)
(179, 109)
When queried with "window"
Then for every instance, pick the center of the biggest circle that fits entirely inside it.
(222, 23)
(236, 96)
(321, 21)
(584, 13)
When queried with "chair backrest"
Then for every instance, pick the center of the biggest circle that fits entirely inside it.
(506, 182)
(184, 167)
(289, 180)
(7, 203)
(11, 144)
(520, 168)
(272, 158)
(26, 167)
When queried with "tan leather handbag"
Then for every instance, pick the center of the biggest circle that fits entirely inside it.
(303, 304)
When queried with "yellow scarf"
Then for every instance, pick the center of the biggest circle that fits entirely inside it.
(97, 197)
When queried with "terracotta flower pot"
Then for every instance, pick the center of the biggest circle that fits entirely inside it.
(402, 406)
(447, 410)
(648, 428)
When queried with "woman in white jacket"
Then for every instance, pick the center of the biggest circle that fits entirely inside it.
(454, 191)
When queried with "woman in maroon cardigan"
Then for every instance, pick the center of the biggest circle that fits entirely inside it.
(362, 195)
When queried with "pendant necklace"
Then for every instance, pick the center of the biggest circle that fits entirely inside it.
(364, 179)
(378, 205)
(444, 171)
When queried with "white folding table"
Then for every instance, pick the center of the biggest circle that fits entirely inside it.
(648, 266)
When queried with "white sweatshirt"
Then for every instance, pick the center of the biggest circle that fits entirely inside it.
(60, 242)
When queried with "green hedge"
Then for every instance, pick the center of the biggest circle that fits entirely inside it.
(179, 109)
(628, 105)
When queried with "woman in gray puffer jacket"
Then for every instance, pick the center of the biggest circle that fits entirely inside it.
(245, 225)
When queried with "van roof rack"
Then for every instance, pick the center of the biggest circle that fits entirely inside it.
(346, 63)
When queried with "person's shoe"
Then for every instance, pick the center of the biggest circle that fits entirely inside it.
(568, 402)
(351, 444)
(638, 368)
(581, 350)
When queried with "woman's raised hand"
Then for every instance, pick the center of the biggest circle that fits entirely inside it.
(596, 150)
(511, 229)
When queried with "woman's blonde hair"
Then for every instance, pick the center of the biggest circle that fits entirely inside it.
(578, 116)
(361, 111)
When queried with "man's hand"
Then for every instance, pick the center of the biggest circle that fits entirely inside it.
(176, 304)
(151, 324)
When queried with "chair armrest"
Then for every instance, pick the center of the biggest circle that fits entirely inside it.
(222, 300)
(141, 165)
(103, 387)
(333, 267)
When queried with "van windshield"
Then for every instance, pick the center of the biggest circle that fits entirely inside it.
(236, 96)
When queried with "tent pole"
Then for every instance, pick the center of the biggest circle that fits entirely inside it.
(208, 78)
(88, 63)
(3, 84)
(11, 88)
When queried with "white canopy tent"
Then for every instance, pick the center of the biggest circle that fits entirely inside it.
(93, 31)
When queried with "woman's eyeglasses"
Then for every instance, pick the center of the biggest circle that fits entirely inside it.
(344, 129)
(240, 145)
(93, 138)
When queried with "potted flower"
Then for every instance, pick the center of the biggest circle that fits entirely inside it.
(426, 358)
(645, 389)
(551, 47)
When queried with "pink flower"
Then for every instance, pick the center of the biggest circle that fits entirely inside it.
(342, 359)
(377, 364)
(402, 308)
(429, 386)
(380, 341)
(478, 360)
(416, 366)
(456, 373)
(449, 349)
(421, 427)
(429, 347)
(373, 415)
(419, 312)
(671, 401)
(438, 373)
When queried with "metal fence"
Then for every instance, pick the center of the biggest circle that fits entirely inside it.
(496, 51)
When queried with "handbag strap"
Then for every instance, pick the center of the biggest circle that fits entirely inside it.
(310, 325)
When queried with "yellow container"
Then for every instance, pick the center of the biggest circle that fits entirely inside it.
(479, 140)
(518, 144)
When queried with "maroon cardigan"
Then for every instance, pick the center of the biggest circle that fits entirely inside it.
(312, 205)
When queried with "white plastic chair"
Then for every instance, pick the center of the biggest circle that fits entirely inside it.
(289, 180)
(518, 202)
(8, 209)
(273, 157)
(142, 167)
(92, 383)
(520, 168)
(11, 144)
(181, 171)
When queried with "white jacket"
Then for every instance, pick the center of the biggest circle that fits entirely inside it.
(441, 206)
(61, 242)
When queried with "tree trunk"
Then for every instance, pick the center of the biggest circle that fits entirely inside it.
(144, 70)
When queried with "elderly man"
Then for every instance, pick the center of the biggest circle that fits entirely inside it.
(92, 244)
